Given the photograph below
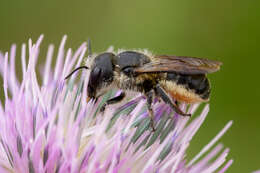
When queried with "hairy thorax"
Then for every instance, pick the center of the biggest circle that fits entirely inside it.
(140, 83)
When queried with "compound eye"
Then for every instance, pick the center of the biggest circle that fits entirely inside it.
(96, 73)
(95, 77)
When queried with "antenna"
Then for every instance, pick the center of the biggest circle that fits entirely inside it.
(82, 67)
(79, 68)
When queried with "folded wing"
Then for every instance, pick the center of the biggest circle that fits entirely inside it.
(180, 64)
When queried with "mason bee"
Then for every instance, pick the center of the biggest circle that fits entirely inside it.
(172, 79)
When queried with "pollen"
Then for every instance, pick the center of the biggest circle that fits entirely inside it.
(180, 93)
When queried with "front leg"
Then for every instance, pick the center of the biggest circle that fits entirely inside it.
(150, 96)
(162, 94)
(113, 100)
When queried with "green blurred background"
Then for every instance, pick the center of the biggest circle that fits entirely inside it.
(225, 30)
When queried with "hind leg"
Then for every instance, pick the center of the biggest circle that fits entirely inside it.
(166, 98)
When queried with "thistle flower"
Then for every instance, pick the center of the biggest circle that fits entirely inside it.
(47, 126)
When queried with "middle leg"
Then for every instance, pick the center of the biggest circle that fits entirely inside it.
(150, 96)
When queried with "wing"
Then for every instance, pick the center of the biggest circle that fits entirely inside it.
(180, 64)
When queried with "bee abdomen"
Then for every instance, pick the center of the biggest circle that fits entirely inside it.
(198, 84)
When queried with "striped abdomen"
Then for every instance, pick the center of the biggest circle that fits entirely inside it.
(187, 88)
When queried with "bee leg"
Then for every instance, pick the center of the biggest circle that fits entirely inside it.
(149, 97)
(162, 93)
(113, 101)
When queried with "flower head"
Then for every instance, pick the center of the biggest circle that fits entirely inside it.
(46, 125)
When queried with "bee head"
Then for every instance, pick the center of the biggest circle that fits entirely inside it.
(101, 75)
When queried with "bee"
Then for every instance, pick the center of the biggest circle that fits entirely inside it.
(172, 79)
